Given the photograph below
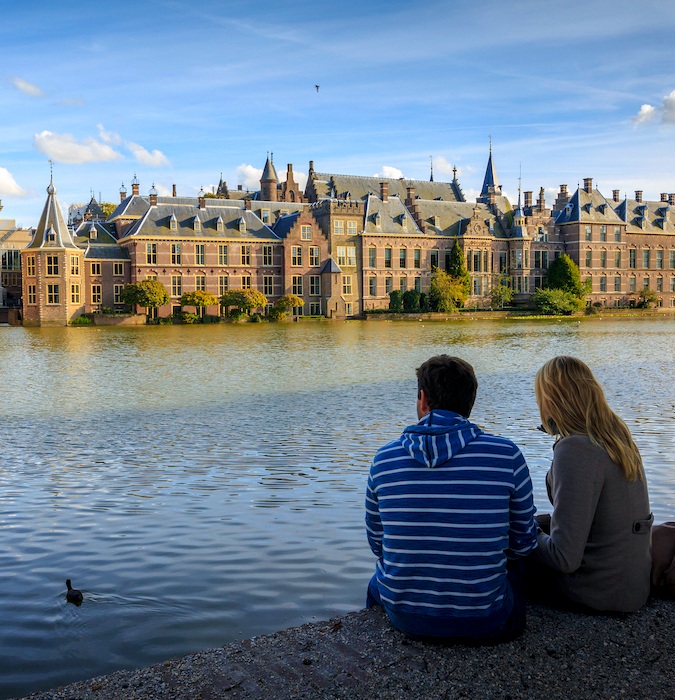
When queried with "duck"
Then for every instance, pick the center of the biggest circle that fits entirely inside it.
(73, 595)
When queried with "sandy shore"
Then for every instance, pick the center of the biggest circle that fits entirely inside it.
(562, 655)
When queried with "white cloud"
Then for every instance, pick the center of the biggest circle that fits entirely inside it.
(669, 108)
(65, 148)
(443, 166)
(646, 114)
(8, 185)
(389, 171)
(155, 158)
(248, 176)
(108, 136)
(28, 88)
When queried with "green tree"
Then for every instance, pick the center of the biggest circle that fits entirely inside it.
(446, 293)
(457, 268)
(396, 301)
(411, 300)
(150, 294)
(647, 298)
(501, 294)
(289, 301)
(107, 208)
(553, 302)
(243, 299)
(563, 273)
(200, 300)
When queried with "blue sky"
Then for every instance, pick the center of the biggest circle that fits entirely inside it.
(178, 92)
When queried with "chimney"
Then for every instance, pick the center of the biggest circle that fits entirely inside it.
(615, 195)
(638, 196)
(541, 202)
(664, 196)
(153, 196)
(202, 199)
(384, 191)
(174, 191)
(588, 185)
(671, 199)
(123, 193)
(135, 186)
(240, 188)
(409, 196)
(528, 199)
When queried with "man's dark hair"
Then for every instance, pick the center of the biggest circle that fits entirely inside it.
(449, 383)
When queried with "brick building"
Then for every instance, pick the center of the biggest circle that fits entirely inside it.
(345, 243)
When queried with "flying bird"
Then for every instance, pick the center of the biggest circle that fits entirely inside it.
(73, 595)
(317, 87)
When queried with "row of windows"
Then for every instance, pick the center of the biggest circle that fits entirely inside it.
(297, 256)
(339, 227)
(52, 266)
(298, 286)
(403, 257)
(632, 283)
(603, 233)
(389, 285)
(199, 254)
(54, 294)
(658, 258)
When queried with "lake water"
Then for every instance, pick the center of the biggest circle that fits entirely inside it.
(203, 484)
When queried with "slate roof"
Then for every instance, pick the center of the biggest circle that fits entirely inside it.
(647, 217)
(105, 233)
(269, 171)
(285, 223)
(356, 187)
(452, 218)
(135, 206)
(490, 182)
(276, 207)
(330, 266)
(156, 223)
(52, 230)
(588, 207)
(389, 218)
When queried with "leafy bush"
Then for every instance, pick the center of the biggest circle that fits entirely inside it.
(210, 318)
(396, 301)
(553, 302)
(411, 300)
(165, 321)
(424, 302)
(186, 317)
(82, 321)
(278, 314)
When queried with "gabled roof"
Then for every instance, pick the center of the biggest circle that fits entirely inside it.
(588, 207)
(390, 217)
(285, 223)
(452, 218)
(135, 206)
(356, 187)
(647, 217)
(105, 233)
(52, 231)
(156, 223)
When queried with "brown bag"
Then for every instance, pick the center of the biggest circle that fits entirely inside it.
(663, 560)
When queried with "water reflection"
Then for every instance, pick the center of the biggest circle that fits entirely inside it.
(203, 484)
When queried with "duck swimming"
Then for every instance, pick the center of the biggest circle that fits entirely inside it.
(73, 595)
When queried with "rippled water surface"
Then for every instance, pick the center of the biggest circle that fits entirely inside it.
(205, 484)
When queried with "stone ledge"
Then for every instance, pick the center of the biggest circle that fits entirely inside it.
(562, 655)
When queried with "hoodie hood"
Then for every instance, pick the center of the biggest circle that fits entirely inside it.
(438, 437)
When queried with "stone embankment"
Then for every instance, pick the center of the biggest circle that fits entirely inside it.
(562, 655)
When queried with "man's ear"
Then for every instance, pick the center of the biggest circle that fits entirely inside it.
(423, 402)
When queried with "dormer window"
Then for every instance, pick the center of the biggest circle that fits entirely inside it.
(93, 234)
(241, 225)
(378, 219)
(51, 235)
(197, 224)
(220, 226)
(173, 222)
(602, 208)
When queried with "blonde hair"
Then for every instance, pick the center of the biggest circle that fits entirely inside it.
(572, 402)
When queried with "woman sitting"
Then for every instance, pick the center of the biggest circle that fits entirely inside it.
(595, 549)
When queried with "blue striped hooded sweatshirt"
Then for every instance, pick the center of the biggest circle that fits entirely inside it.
(446, 505)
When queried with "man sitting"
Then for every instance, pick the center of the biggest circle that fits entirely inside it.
(449, 514)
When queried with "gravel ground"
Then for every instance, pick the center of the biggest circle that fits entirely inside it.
(562, 655)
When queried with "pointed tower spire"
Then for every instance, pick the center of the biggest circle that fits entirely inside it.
(431, 159)
(269, 181)
(491, 182)
(52, 230)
